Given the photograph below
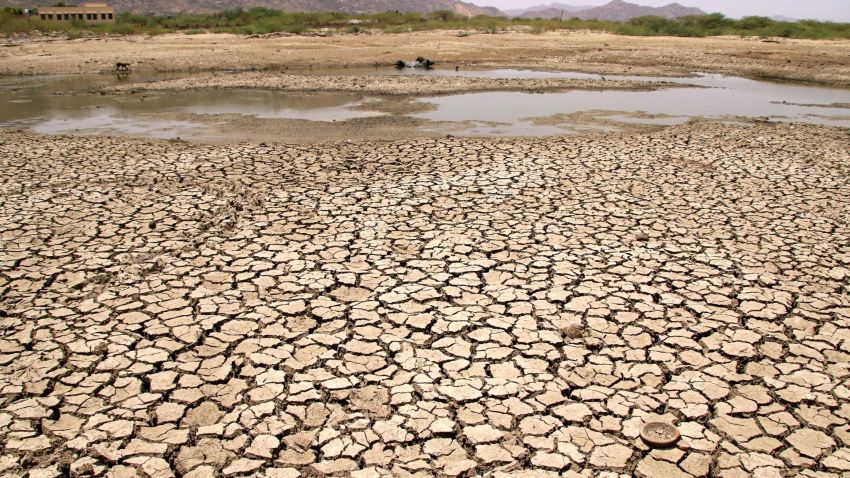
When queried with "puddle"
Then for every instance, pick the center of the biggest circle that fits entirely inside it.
(46, 104)
(662, 121)
(274, 105)
(720, 98)
(467, 72)
(108, 121)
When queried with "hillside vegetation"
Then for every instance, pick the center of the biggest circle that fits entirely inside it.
(265, 21)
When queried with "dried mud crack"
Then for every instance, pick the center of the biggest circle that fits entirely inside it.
(438, 307)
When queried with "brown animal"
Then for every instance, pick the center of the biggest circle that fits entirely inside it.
(122, 67)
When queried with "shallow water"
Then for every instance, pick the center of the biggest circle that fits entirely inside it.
(46, 105)
(110, 121)
(717, 97)
(273, 105)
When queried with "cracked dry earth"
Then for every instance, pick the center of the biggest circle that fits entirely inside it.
(440, 307)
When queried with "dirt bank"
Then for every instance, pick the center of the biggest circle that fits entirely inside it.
(382, 84)
(824, 62)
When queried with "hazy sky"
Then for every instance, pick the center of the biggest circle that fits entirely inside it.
(836, 10)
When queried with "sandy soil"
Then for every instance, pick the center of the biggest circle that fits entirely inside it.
(383, 84)
(825, 62)
(441, 307)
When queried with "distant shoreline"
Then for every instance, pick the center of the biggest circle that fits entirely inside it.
(806, 61)
(620, 18)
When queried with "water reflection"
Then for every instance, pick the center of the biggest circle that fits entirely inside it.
(719, 97)
(71, 104)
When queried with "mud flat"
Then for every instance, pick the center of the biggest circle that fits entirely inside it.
(452, 307)
(382, 84)
(814, 61)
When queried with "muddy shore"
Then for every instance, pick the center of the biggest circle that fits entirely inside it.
(442, 306)
(393, 85)
(822, 62)
(391, 127)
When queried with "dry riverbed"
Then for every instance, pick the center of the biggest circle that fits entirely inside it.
(441, 306)
(395, 85)
(824, 62)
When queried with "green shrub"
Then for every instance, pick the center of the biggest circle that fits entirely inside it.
(264, 20)
(491, 28)
(120, 28)
(753, 23)
(442, 15)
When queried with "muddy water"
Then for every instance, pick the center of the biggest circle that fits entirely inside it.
(717, 98)
(71, 104)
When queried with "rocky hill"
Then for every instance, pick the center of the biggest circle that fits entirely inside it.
(616, 10)
(346, 6)
(525, 12)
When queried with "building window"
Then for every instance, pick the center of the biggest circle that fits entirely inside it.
(67, 16)
(110, 16)
(43, 16)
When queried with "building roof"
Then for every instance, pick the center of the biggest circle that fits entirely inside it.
(84, 8)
